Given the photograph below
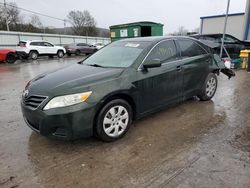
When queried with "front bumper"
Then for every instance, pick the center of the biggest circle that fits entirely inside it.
(70, 51)
(66, 123)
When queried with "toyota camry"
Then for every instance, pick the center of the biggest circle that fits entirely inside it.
(122, 82)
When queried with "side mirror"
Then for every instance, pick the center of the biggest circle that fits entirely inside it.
(152, 63)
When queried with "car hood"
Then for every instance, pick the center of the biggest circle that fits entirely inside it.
(72, 79)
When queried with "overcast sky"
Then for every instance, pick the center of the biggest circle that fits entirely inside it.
(172, 13)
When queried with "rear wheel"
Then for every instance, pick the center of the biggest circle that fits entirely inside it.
(33, 55)
(11, 58)
(209, 87)
(114, 120)
(60, 54)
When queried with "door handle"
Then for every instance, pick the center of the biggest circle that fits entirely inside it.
(178, 68)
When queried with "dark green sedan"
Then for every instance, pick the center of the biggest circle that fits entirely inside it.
(124, 81)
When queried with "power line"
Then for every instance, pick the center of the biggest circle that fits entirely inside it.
(37, 13)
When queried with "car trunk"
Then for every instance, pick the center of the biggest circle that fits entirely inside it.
(218, 62)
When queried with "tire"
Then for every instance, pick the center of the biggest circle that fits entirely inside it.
(60, 54)
(209, 88)
(78, 52)
(116, 125)
(33, 55)
(11, 58)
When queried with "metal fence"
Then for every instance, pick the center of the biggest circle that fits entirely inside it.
(11, 39)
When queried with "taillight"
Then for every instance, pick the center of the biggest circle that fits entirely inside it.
(226, 59)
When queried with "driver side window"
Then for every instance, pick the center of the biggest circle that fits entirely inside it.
(165, 51)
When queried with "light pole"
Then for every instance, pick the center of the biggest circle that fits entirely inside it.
(225, 27)
(64, 25)
(6, 17)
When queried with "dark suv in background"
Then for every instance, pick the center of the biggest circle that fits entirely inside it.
(79, 48)
(232, 44)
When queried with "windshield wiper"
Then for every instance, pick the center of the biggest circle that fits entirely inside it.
(96, 65)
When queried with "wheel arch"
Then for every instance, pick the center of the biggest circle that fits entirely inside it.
(216, 71)
(60, 50)
(34, 51)
(116, 95)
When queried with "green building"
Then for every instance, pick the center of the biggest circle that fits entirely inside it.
(136, 29)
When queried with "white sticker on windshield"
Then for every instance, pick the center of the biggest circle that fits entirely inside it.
(133, 45)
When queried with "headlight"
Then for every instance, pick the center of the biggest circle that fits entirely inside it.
(67, 100)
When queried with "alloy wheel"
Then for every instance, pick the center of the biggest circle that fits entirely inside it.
(211, 87)
(34, 56)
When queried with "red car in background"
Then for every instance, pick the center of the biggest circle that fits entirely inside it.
(8, 55)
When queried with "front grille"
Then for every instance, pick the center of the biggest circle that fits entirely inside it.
(34, 101)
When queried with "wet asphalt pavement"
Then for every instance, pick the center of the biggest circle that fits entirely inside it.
(194, 144)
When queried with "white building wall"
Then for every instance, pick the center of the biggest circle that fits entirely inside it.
(235, 25)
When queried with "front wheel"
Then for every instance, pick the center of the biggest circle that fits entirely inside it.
(60, 54)
(114, 120)
(209, 87)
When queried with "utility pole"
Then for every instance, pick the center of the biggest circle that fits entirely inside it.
(64, 24)
(224, 31)
(6, 17)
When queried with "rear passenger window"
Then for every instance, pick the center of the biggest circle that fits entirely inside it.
(35, 43)
(190, 48)
(82, 44)
(165, 51)
(47, 44)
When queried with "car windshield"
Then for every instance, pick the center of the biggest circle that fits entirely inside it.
(118, 54)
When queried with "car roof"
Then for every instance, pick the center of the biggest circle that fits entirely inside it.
(32, 41)
(208, 34)
(155, 39)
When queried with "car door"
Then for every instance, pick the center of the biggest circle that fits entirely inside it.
(83, 47)
(49, 48)
(195, 67)
(37, 46)
(160, 86)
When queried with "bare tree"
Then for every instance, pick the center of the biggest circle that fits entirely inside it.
(13, 15)
(181, 31)
(35, 21)
(34, 24)
(82, 23)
